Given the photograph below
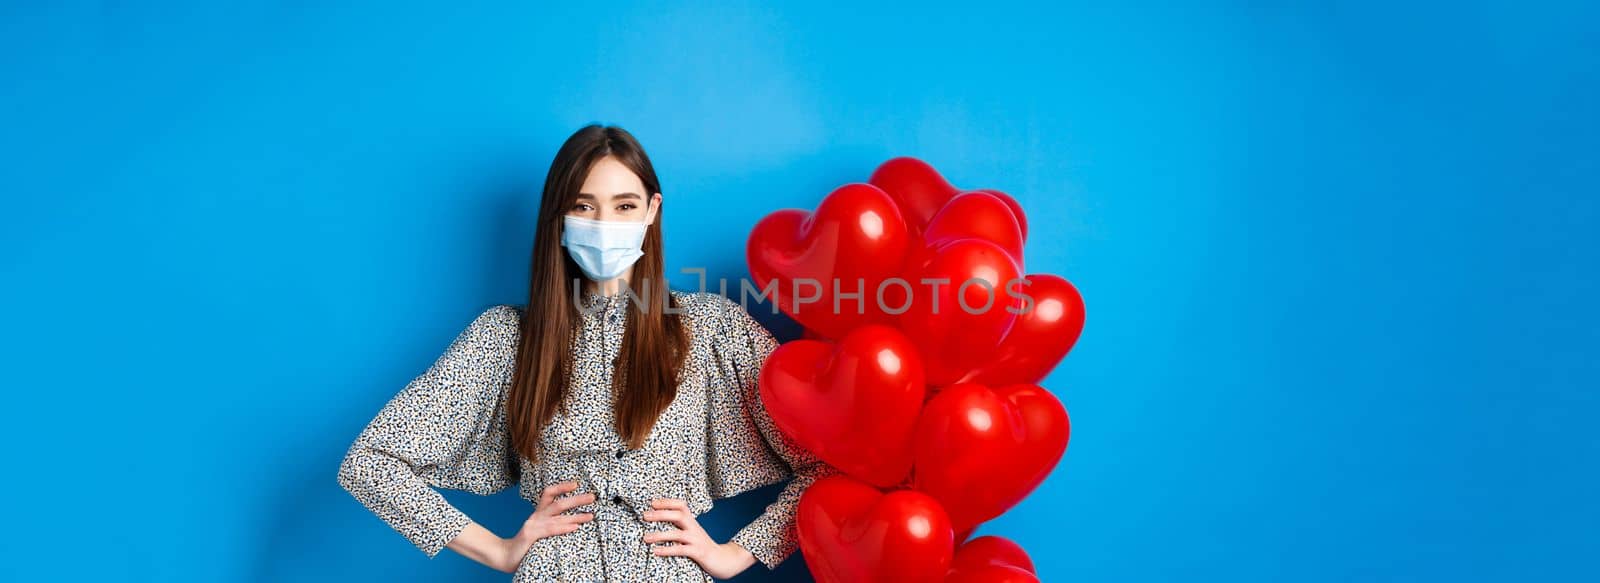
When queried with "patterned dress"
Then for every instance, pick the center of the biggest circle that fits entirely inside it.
(447, 429)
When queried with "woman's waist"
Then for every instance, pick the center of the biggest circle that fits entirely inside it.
(618, 486)
(618, 499)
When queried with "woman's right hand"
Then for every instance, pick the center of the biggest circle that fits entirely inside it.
(548, 519)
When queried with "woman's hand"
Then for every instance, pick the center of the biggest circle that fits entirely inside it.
(721, 561)
(549, 519)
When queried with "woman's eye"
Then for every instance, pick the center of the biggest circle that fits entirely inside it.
(627, 206)
(580, 207)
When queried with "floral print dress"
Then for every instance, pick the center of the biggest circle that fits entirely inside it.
(447, 429)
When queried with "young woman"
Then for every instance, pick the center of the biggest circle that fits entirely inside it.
(621, 408)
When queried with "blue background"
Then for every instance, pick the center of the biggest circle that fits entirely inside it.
(1339, 260)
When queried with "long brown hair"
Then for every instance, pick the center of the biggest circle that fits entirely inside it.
(645, 376)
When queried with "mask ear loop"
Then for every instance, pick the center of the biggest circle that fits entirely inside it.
(649, 220)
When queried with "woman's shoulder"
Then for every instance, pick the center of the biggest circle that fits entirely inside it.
(705, 307)
(500, 314)
(498, 322)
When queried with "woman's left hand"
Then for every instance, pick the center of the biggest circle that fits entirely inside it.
(721, 561)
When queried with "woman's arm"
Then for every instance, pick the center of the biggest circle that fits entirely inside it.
(477, 543)
(771, 537)
(505, 554)
(742, 559)
(748, 450)
(549, 519)
(445, 429)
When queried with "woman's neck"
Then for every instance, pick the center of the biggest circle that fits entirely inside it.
(608, 287)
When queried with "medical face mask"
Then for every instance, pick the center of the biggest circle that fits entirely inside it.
(602, 249)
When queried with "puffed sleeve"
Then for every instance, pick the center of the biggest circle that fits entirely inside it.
(445, 429)
(746, 449)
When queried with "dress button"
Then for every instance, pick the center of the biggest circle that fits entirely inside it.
(620, 452)
(617, 499)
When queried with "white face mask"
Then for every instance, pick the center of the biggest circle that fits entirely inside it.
(602, 249)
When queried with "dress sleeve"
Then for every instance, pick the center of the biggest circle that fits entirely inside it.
(445, 429)
(746, 449)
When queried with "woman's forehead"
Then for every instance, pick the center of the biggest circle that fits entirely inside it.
(609, 177)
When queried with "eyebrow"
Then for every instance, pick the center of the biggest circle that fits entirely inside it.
(631, 195)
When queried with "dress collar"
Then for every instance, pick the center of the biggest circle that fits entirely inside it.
(595, 302)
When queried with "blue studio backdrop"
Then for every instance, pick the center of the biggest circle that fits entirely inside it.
(1339, 258)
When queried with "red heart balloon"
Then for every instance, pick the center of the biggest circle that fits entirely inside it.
(1016, 208)
(922, 192)
(991, 559)
(980, 451)
(991, 550)
(851, 532)
(853, 404)
(963, 534)
(959, 320)
(992, 574)
(1041, 336)
(918, 189)
(854, 240)
(977, 215)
